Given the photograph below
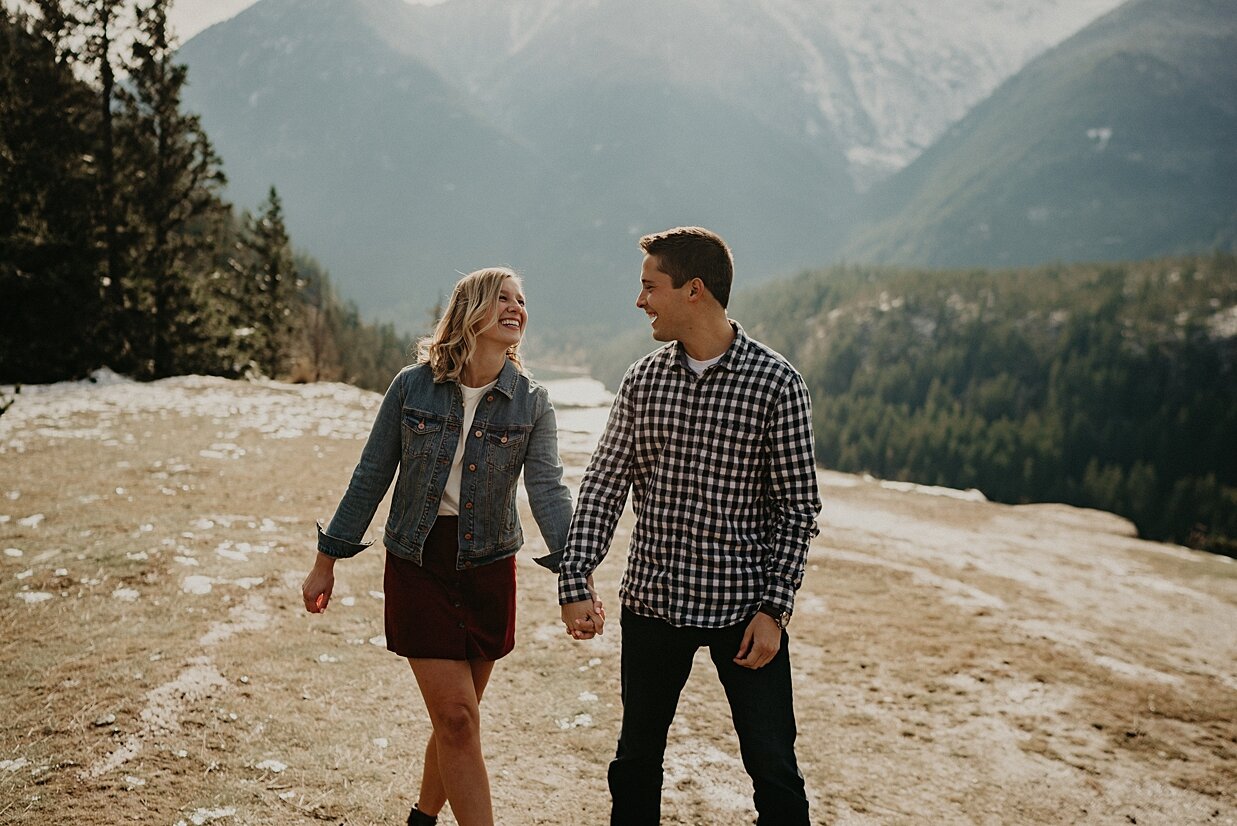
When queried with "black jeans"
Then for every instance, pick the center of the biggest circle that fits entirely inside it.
(656, 661)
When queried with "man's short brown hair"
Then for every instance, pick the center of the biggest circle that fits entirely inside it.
(684, 253)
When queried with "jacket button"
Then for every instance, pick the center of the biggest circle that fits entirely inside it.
(467, 564)
(468, 506)
(472, 467)
(468, 536)
(489, 398)
(503, 440)
(421, 426)
(477, 434)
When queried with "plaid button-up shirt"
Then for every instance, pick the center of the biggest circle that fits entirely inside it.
(723, 482)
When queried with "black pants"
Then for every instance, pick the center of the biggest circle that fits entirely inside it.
(656, 661)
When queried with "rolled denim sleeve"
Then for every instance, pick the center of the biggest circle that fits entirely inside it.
(370, 480)
(548, 496)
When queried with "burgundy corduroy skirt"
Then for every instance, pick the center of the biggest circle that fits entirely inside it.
(434, 611)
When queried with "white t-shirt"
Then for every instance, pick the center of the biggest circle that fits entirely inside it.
(450, 504)
(698, 367)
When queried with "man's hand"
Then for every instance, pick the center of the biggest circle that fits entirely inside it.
(599, 608)
(583, 623)
(760, 643)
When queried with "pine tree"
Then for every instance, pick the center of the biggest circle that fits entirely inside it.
(96, 23)
(176, 179)
(49, 264)
(274, 283)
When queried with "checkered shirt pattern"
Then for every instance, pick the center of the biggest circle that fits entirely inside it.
(723, 482)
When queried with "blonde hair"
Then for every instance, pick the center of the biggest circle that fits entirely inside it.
(454, 340)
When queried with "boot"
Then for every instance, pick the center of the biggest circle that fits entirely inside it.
(419, 818)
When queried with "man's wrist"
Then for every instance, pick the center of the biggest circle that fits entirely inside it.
(779, 615)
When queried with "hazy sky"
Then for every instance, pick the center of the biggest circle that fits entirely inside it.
(188, 17)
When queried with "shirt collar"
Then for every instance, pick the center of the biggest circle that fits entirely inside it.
(506, 381)
(507, 378)
(733, 359)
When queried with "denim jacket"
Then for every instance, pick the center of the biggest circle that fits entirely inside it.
(416, 433)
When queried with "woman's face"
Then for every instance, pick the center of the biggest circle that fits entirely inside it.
(506, 325)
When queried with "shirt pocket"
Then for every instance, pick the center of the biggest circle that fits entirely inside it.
(421, 432)
(734, 449)
(504, 446)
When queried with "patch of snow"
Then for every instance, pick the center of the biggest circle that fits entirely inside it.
(161, 714)
(200, 817)
(251, 615)
(579, 721)
(968, 495)
(196, 584)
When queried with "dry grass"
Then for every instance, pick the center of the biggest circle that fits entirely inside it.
(956, 662)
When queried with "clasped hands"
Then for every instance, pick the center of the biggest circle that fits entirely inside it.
(587, 618)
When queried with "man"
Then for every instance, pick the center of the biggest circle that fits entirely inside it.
(713, 436)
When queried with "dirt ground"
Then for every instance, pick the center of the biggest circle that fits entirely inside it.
(956, 661)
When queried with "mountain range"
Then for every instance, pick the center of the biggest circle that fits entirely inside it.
(411, 142)
(1120, 143)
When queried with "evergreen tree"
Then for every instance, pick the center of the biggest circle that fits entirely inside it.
(96, 22)
(49, 266)
(175, 179)
(274, 284)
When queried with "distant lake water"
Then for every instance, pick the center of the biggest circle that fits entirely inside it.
(581, 405)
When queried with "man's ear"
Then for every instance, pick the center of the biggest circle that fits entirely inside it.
(695, 289)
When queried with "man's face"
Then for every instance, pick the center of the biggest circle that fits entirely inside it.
(666, 306)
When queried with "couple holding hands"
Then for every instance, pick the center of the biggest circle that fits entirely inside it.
(712, 437)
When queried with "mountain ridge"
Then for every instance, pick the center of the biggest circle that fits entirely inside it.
(1117, 143)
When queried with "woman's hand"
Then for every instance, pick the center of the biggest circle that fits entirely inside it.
(317, 587)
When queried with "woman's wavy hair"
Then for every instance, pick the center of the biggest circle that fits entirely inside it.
(454, 340)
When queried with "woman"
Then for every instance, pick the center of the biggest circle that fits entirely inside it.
(458, 426)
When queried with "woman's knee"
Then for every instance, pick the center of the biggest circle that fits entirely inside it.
(456, 723)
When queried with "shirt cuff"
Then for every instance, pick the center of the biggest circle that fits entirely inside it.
(572, 588)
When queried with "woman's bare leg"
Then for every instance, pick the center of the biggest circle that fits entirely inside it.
(452, 692)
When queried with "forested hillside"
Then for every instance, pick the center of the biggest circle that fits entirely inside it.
(1105, 386)
(116, 247)
(1111, 386)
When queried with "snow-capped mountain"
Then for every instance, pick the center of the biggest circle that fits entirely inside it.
(885, 78)
(410, 142)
